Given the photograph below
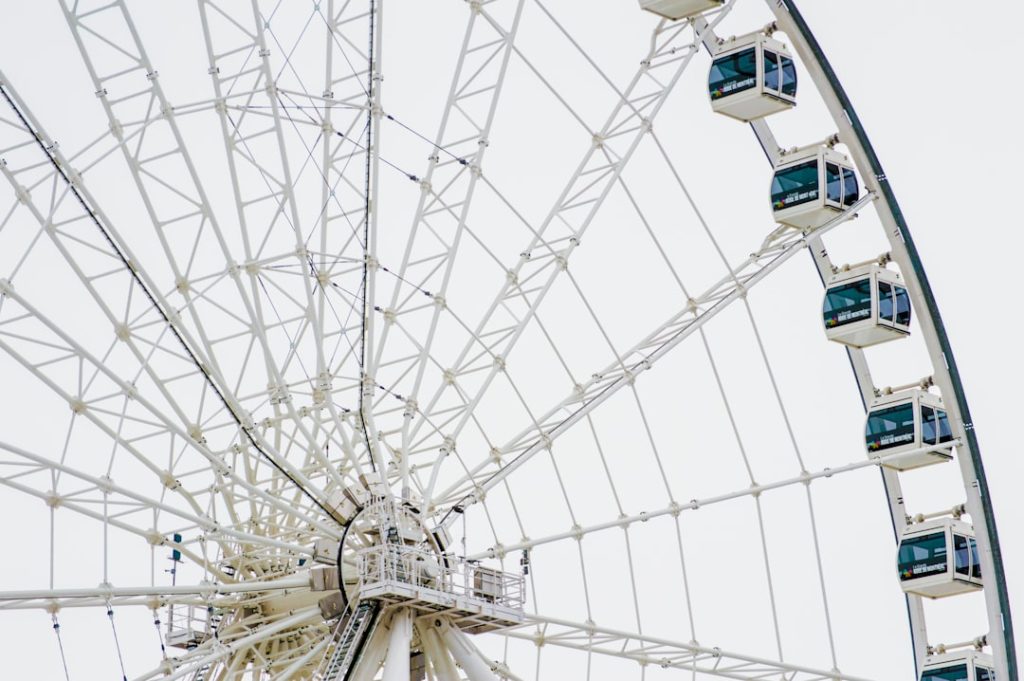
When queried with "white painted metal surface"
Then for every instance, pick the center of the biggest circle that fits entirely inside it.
(396, 662)
(261, 376)
(679, 9)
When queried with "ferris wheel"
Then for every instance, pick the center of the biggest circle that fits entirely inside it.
(475, 371)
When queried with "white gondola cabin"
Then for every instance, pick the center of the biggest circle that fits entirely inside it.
(866, 306)
(939, 558)
(812, 186)
(962, 666)
(752, 77)
(679, 9)
(905, 421)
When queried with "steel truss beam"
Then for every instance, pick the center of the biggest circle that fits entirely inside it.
(640, 358)
(270, 224)
(447, 189)
(187, 229)
(664, 653)
(50, 599)
(33, 474)
(546, 256)
(162, 350)
(350, 143)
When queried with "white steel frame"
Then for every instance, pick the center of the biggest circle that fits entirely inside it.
(223, 452)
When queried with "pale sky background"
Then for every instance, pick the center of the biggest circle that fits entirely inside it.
(938, 91)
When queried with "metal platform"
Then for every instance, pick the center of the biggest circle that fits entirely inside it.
(476, 599)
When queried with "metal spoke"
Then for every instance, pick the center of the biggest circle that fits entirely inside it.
(640, 358)
(644, 650)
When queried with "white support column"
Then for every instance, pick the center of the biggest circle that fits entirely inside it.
(465, 654)
(396, 664)
(437, 653)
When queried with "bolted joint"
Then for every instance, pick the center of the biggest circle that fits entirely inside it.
(196, 433)
(169, 481)
(411, 408)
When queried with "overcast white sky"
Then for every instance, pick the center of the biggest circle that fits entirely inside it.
(938, 91)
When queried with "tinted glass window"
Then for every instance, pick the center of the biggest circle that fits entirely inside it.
(850, 191)
(975, 560)
(788, 77)
(885, 302)
(945, 432)
(733, 73)
(984, 673)
(796, 185)
(965, 556)
(927, 426)
(833, 183)
(771, 70)
(890, 427)
(954, 673)
(961, 555)
(902, 306)
(922, 556)
(847, 303)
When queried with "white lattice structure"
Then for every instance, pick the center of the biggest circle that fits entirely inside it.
(462, 377)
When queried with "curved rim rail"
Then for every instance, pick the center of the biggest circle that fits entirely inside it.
(946, 372)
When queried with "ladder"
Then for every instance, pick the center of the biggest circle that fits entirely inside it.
(350, 638)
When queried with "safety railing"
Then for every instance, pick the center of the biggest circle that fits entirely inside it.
(409, 565)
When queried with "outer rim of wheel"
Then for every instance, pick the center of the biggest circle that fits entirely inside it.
(1000, 619)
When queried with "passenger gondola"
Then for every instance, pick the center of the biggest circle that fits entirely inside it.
(939, 558)
(866, 306)
(752, 77)
(906, 421)
(963, 666)
(812, 186)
